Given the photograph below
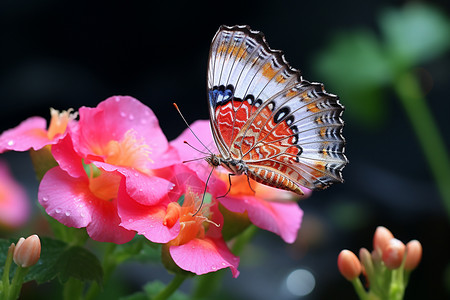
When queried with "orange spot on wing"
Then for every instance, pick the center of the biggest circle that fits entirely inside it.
(313, 107)
(280, 79)
(238, 52)
(268, 71)
(323, 131)
(291, 93)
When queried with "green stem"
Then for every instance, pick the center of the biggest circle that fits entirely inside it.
(170, 288)
(16, 283)
(5, 278)
(359, 289)
(411, 96)
(73, 289)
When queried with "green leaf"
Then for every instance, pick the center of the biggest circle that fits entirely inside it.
(356, 68)
(415, 34)
(58, 259)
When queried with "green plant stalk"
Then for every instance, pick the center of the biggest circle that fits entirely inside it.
(359, 289)
(411, 96)
(16, 283)
(73, 289)
(4, 291)
(170, 288)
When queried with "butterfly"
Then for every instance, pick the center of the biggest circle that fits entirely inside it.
(267, 121)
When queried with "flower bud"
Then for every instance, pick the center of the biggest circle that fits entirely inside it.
(413, 255)
(27, 251)
(381, 238)
(349, 265)
(393, 254)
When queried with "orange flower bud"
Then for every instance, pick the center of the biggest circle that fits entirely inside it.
(349, 265)
(381, 238)
(393, 254)
(413, 255)
(27, 251)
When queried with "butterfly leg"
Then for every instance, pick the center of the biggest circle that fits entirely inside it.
(229, 187)
(249, 185)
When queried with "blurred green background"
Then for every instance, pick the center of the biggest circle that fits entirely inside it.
(387, 60)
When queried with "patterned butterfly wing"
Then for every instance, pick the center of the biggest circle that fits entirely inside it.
(285, 129)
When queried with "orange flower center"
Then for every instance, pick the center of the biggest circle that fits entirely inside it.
(103, 185)
(191, 226)
(128, 152)
(59, 121)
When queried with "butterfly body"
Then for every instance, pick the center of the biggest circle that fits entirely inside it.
(267, 122)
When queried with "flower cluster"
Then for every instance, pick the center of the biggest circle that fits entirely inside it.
(386, 269)
(111, 170)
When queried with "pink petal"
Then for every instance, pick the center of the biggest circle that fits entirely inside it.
(31, 133)
(146, 220)
(14, 202)
(69, 200)
(106, 227)
(143, 188)
(282, 218)
(118, 115)
(202, 256)
(66, 198)
(64, 153)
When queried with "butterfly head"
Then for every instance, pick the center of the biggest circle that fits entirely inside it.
(213, 160)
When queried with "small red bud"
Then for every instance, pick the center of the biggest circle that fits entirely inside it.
(393, 254)
(413, 255)
(381, 238)
(349, 265)
(27, 251)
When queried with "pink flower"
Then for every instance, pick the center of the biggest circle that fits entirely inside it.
(14, 203)
(270, 209)
(118, 141)
(32, 133)
(194, 242)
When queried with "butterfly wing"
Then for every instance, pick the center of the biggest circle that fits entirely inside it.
(286, 130)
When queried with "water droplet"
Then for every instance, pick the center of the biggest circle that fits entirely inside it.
(122, 114)
(143, 232)
(213, 268)
(58, 210)
(131, 117)
(10, 142)
(224, 264)
(68, 213)
(143, 121)
(117, 99)
(136, 174)
(151, 226)
(45, 199)
(130, 220)
(82, 214)
(141, 190)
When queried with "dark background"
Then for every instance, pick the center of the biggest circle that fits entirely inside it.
(66, 54)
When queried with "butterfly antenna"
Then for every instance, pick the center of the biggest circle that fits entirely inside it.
(202, 152)
(204, 192)
(189, 127)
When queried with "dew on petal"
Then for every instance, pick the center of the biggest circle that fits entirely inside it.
(122, 114)
(45, 199)
(58, 210)
(68, 213)
(10, 142)
(131, 117)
